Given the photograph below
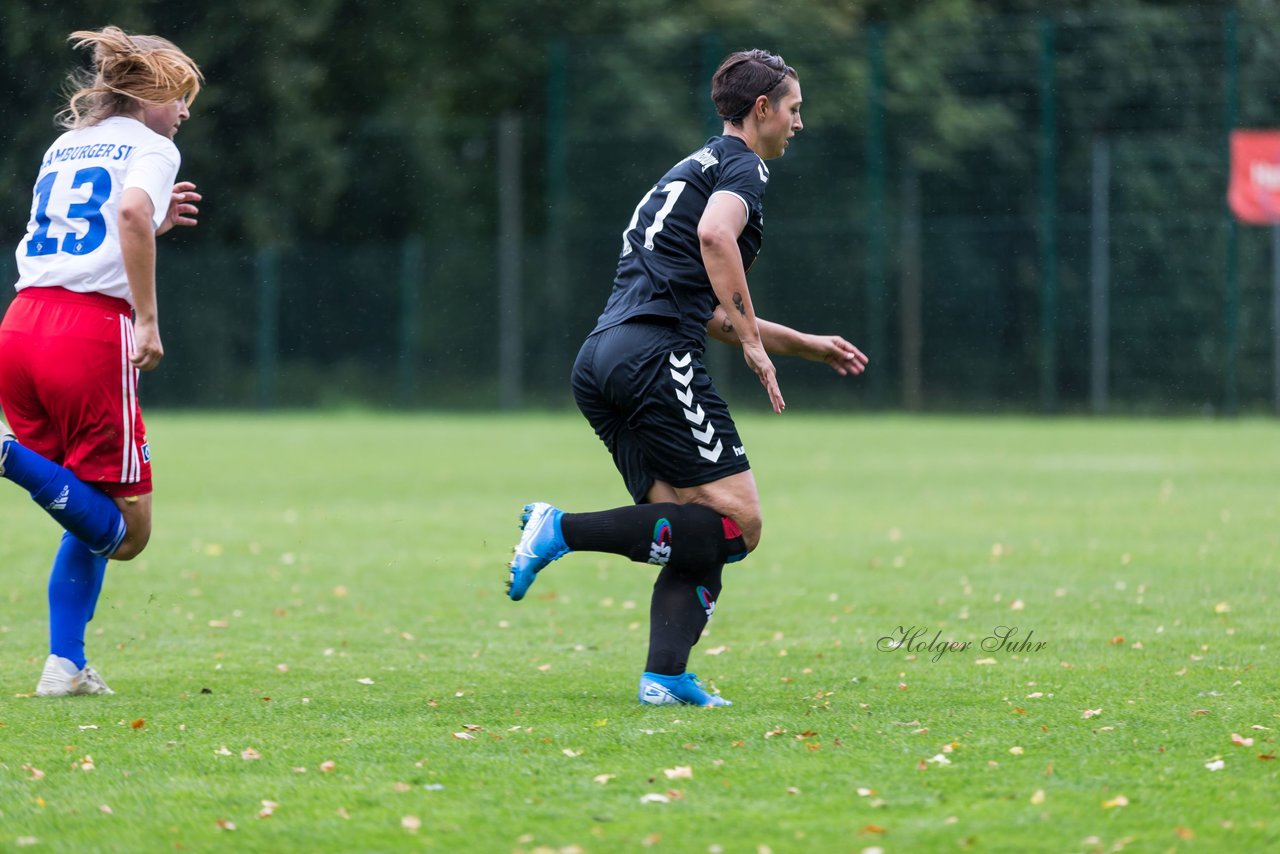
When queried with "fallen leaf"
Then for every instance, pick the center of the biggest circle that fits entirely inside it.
(572, 754)
(225, 824)
(105, 810)
(1037, 797)
(1091, 713)
(985, 661)
(1184, 832)
(873, 828)
(865, 792)
(464, 736)
(1221, 608)
(84, 727)
(603, 778)
(1117, 801)
(1016, 751)
(36, 773)
(327, 766)
(402, 787)
(1215, 765)
(939, 759)
(249, 754)
(342, 813)
(268, 809)
(654, 798)
(365, 680)
(715, 650)
(1117, 640)
(1240, 741)
(680, 772)
(139, 723)
(411, 823)
(792, 790)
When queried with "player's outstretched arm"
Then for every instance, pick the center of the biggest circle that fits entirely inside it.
(718, 230)
(138, 246)
(843, 357)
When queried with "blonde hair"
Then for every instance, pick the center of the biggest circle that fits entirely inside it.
(127, 71)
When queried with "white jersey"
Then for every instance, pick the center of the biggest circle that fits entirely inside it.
(73, 237)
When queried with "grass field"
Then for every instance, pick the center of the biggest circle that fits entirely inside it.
(316, 653)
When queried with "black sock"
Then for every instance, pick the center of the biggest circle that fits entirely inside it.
(683, 601)
(687, 535)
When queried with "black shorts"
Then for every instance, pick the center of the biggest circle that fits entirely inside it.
(650, 400)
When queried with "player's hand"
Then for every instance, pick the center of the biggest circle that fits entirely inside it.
(182, 209)
(843, 357)
(147, 349)
(759, 362)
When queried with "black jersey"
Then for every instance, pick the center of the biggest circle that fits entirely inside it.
(660, 271)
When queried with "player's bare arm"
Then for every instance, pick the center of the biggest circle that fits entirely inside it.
(718, 229)
(138, 246)
(779, 340)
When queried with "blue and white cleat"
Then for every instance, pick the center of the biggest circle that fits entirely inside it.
(541, 543)
(682, 690)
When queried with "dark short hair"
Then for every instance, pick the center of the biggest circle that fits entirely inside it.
(743, 77)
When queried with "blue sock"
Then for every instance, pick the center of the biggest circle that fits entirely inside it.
(87, 513)
(74, 585)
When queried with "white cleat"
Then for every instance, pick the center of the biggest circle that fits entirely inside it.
(5, 433)
(61, 679)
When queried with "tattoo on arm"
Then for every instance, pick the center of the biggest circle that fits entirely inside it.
(739, 304)
(727, 326)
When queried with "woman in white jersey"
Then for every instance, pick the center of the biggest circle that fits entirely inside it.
(84, 323)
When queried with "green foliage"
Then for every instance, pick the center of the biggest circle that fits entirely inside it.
(360, 547)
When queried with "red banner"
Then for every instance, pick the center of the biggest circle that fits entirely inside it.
(1254, 195)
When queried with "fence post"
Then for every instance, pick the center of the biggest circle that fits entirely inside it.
(267, 269)
(510, 261)
(877, 227)
(412, 274)
(1231, 297)
(557, 209)
(1048, 222)
(910, 296)
(1100, 275)
(1275, 316)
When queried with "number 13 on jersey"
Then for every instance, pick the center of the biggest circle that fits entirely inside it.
(89, 210)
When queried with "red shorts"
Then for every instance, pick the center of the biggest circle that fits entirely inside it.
(68, 389)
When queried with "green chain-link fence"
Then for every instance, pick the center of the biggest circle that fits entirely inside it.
(1023, 213)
